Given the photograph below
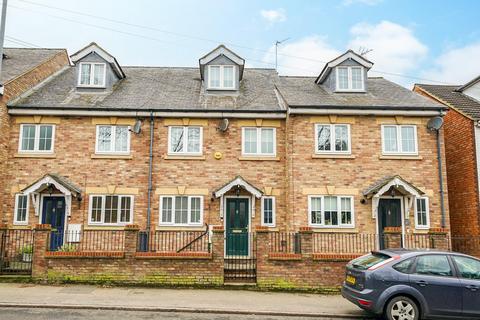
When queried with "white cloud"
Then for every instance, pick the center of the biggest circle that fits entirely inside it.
(274, 16)
(366, 2)
(302, 57)
(456, 66)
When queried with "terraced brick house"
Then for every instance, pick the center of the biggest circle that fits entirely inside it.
(232, 147)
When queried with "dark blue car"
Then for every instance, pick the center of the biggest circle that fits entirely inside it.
(410, 285)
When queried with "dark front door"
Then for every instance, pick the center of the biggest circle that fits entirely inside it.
(389, 215)
(53, 213)
(237, 240)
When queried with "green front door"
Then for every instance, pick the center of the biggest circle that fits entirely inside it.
(237, 219)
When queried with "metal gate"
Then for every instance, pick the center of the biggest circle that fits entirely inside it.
(16, 251)
(240, 265)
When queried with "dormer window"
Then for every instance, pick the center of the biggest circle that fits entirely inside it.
(350, 79)
(92, 75)
(221, 77)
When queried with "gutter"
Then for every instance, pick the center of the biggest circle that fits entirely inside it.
(350, 111)
(150, 167)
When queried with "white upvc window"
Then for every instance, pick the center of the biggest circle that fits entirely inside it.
(399, 139)
(332, 138)
(112, 139)
(92, 74)
(422, 213)
(221, 77)
(331, 211)
(268, 211)
(185, 140)
(20, 216)
(110, 210)
(259, 141)
(181, 210)
(36, 138)
(350, 79)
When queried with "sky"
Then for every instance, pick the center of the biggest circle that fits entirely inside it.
(408, 41)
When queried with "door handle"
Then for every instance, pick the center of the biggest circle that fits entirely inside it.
(422, 283)
(472, 288)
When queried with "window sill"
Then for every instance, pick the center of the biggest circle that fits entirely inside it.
(332, 156)
(86, 86)
(18, 226)
(180, 228)
(259, 158)
(111, 156)
(35, 155)
(400, 157)
(184, 157)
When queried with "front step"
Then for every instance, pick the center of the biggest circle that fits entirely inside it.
(240, 271)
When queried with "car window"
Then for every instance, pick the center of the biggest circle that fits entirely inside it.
(369, 260)
(469, 268)
(404, 266)
(433, 265)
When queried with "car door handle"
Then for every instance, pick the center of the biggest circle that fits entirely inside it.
(472, 288)
(422, 283)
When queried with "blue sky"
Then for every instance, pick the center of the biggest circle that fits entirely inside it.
(431, 40)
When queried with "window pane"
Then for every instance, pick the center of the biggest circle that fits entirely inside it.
(316, 211)
(323, 137)
(346, 210)
(421, 212)
(181, 210)
(96, 209)
(167, 209)
(121, 139)
(176, 139)
(341, 138)
(342, 78)
(435, 265)
(85, 74)
(331, 211)
(250, 140)
(28, 137)
(111, 209)
(45, 142)
(214, 75)
(408, 139)
(267, 141)
(104, 138)
(390, 138)
(193, 141)
(357, 78)
(21, 214)
(98, 72)
(268, 211)
(468, 268)
(228, 77)
(125, 209)
(195, 210)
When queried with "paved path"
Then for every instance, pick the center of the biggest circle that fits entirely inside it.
(176, 300)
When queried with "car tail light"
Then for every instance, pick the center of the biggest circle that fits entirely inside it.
(381, 264)
(365, 303)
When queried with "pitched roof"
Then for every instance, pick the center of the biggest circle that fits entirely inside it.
(469, 84)
(449, 95)
(93, 47)
(349, 54)
(21, 60)
(157, 88)
(381, 94)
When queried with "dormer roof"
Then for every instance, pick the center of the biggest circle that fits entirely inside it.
(350, 54)
(93, 47)
(221, 50)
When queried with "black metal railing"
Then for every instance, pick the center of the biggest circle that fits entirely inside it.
(344, 242)
(174, 241)
(87, 240)
(285, 242)
(16, 251)
(240, 264)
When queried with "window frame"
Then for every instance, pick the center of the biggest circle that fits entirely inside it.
(15, 221)
(339, 212)
(221, 79)
(36, 141)
(259, 142)
(332, 138)
(103, 196)
(189, 212)
(349, 79)
(427, 212)
(114, 141)
(273, 224)
(92, 75)
(398, 128)
(185, 142)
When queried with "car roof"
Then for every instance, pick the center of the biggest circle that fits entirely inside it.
(404, 253)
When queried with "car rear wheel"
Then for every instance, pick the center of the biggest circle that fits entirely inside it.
(402, 308)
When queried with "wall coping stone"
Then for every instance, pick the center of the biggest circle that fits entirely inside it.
(43, 227)
(174, 255)
(336, 256)
(306, 229)
(285, 256)
(85, 254)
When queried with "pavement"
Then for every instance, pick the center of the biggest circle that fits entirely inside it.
(27, 295)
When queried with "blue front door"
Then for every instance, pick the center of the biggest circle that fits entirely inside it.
(53, 213)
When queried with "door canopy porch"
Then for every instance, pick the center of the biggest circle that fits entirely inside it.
(395, 185)
(50, 182)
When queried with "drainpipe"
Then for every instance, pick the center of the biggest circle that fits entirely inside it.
(150, 165)
(440, 176)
